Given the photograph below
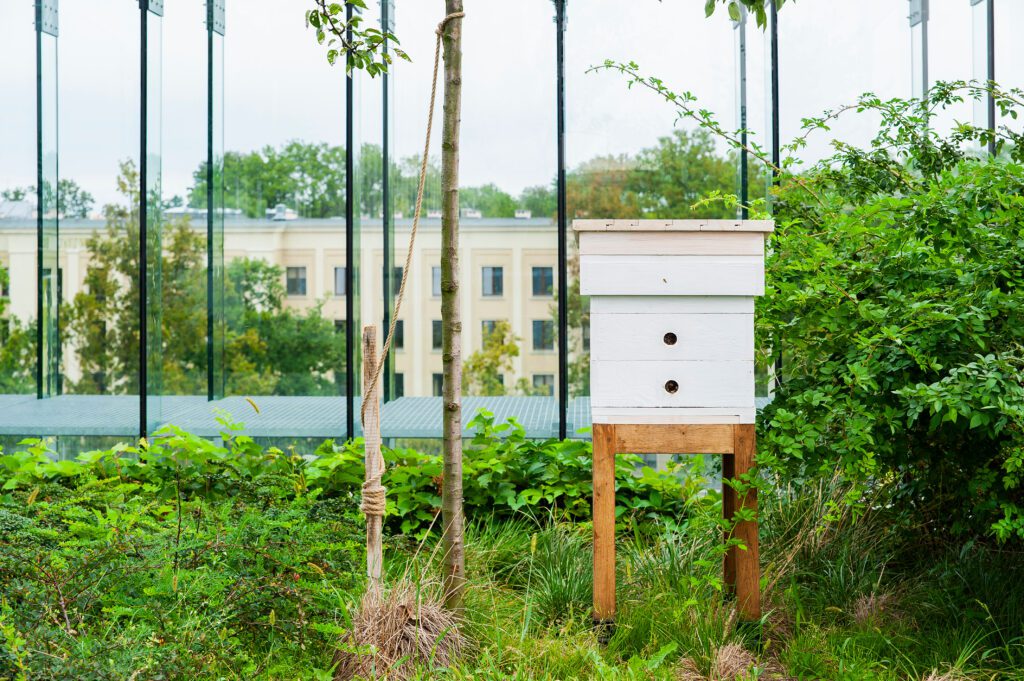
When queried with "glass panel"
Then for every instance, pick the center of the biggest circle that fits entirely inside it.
(100, 166)
(18, 228)
(628, 155)
(216, 331)
(1009, 17)
(48, 197)
(153, 221)
(284, 226)
(507, 226)
(950, 55)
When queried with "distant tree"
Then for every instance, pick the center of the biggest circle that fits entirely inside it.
(17, 347)
(667, 179)
(540, 201)
(484, 373)
(600, 188)
(490, 200)
(72, 200)
(268, 349)
(15, 193)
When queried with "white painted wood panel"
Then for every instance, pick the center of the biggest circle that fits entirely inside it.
(672, 305)
(672, 243)
(618, 337)
(672, 275)
(699, 384)
(612, 225)
(643, 415)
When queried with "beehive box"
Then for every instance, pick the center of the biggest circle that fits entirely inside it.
(672, 318)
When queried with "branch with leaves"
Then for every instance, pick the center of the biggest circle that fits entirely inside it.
(362, 46)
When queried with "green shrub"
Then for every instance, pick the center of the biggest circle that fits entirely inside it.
(895, 280)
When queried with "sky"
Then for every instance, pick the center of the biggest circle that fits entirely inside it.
(278, 85)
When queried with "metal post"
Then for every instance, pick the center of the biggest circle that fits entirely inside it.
(919, 52)
(990, 28)
(215, 14)
(773, 14)
(350, 212)
(563, 267)
(387, 9)
(143, 212)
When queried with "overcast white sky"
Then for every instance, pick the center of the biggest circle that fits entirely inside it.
(278, 86)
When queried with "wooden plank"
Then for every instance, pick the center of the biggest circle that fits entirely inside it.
(728, 511)
(613, 225)
(669, 415)
(672, 275)
(697, 384)
(671, 243)
(738, 226)
(748, 570)
(666, 337)
(604, 523)
(674, 439)
(671, 305)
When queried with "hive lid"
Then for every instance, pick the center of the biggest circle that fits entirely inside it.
(610, 225)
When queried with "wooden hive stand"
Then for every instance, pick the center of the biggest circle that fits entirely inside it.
(737, 446)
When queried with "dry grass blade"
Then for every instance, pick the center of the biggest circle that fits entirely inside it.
(397, 632)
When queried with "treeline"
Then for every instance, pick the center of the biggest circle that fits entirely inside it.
(662, 181)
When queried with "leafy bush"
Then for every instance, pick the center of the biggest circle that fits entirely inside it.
(895, 282)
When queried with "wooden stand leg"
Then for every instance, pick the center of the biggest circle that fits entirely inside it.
(728, 510)
(747, 563)
(604, 523)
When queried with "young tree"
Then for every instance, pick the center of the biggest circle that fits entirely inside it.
(451, 344)
(485, 371)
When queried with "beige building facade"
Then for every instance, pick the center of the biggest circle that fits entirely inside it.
(507, 269)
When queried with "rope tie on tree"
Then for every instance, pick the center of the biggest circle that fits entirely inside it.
(373, 491)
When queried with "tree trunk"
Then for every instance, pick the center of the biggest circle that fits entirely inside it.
(451, 347)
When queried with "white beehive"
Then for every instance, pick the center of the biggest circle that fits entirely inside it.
(672, 318)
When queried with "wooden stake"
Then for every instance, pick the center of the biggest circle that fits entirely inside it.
(373, 458)
(604, 523)
(748, 570)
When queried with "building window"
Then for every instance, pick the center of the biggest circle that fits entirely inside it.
(487, 327)
(544, 384)
(543, 334)
(399, 385)
(435, 282)
(435, 334)
(339, 325)
(340, 285)
(543, 281)
(438, 382)
(494, 284)
(586, 336)
(296, 280)
(399, 341)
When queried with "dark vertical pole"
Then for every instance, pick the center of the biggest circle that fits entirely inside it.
(143, 219)
(776, 145)
(350, 181)
(742, 85)
(387, 223)
(210, 175)
(563, 267)
(776, 155)
(40, 339)
(990, 29)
